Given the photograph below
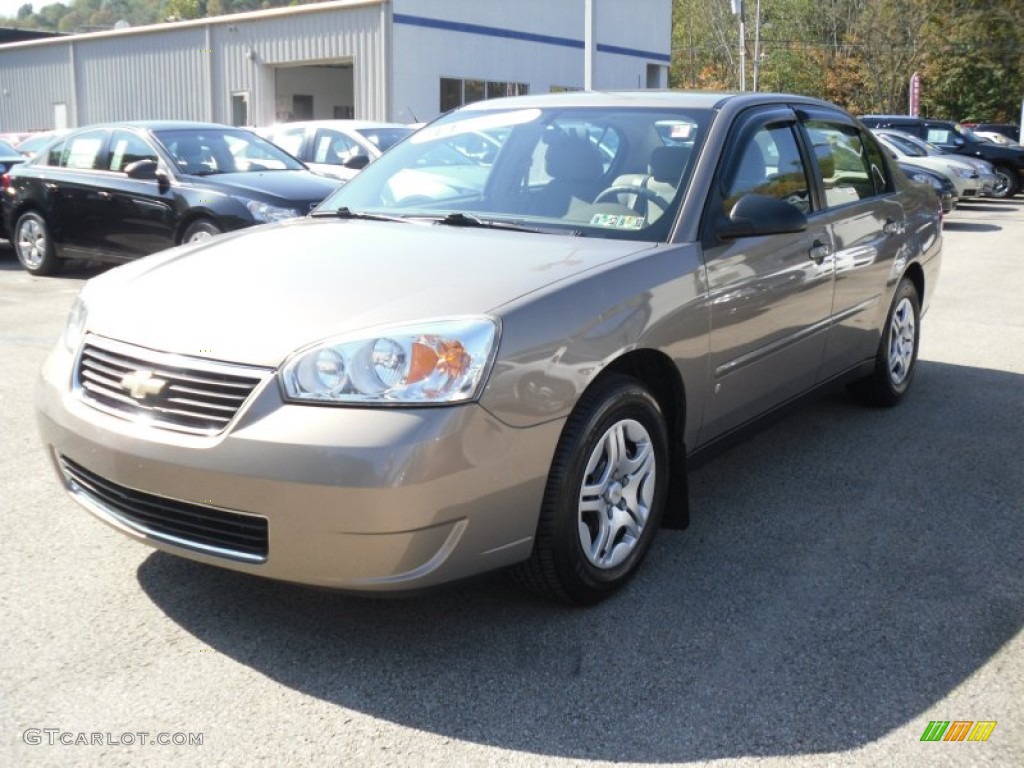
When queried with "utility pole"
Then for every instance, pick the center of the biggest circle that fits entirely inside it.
(757, 44)
(588, 44)
(737, 9)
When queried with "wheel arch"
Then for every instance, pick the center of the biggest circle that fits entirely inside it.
(915, 274)
(661, 377)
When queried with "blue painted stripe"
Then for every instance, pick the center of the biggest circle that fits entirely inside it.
(633, 52)
(511, 34)
(477, 29)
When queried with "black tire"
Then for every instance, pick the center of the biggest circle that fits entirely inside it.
(199, 230)
(34, 245)
(1008, 184)
(896, 360)
(561, 566)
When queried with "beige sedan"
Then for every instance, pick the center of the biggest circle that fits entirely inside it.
(463, 363)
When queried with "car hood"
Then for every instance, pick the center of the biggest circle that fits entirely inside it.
(284, 188)
(257, 295)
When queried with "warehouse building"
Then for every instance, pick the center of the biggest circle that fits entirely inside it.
(397, 60)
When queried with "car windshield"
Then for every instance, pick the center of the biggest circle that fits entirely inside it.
(384, 138)
(915, 141)
(206, 151)
(905, 146)
(608, 172)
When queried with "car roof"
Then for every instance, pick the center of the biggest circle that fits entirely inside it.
(161, 125)
(338, 123)
(665, 99)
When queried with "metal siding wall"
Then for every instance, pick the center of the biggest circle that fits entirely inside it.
(32, 80)
(349, 34)
(165, 72)
(164, 75)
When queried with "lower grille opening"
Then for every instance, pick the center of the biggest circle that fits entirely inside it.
(198, 527)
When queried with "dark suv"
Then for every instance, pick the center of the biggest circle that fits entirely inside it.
(953, 137)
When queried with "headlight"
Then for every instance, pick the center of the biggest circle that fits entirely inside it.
(429, 363)
(964, 173)
(74, 329)
(266, 212)
(925, 178)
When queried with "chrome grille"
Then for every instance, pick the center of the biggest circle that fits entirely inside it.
(171, 391)
(210, 530)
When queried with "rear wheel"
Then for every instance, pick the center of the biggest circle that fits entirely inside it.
(897, 352)
(34, 246)
(605, 495)
(1006, 182)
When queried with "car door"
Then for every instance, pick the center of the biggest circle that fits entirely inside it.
(76, 192)
(141, 212)
(770, 295)
(868, 230)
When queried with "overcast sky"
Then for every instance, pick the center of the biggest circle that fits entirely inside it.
(9, 8)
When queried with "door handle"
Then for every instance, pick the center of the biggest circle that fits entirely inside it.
(893, 227)
(819, 252)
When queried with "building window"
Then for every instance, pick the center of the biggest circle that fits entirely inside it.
(458, 91)
(563, 88)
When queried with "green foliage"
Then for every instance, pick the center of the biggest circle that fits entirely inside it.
(99, 14)
(862, 53)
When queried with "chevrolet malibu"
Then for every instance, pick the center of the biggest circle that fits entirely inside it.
(503, 362)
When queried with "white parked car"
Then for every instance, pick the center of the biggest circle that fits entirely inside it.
(336, 148)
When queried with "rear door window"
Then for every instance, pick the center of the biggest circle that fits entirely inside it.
(80, 152)
(849, 172)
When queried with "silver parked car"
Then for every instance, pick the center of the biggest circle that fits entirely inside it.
(338, 149)
(460, 365)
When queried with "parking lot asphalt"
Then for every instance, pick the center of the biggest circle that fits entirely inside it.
(849, 575)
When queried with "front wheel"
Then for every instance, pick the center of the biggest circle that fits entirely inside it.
(897, 352)
(34, 246)
(605, 495)
(1006, 182)
(200, 230)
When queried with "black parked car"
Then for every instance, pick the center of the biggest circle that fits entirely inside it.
(941, 183)
(953, 137)
(116, 192)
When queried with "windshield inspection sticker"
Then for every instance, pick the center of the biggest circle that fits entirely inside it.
(617, 222)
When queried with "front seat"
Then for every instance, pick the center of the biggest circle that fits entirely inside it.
(575, 167)
(190, 156)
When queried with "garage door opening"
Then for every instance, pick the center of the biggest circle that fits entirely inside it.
(314, 92)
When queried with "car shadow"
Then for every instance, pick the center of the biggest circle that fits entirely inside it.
(986, 207)
(845, 569)
(969, 226)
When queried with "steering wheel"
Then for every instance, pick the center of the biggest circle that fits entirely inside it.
(642, 193)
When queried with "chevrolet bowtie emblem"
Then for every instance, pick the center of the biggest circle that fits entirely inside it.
(142, 384)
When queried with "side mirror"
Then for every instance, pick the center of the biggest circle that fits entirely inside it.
(358, 162)
(144, 170)
(755, 215)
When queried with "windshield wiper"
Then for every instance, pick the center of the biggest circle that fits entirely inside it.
(348, 213)
(467, 220)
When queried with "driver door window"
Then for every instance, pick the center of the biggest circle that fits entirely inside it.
(127, 148)
(770, 164)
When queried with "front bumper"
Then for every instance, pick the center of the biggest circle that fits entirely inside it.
(352, 498)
